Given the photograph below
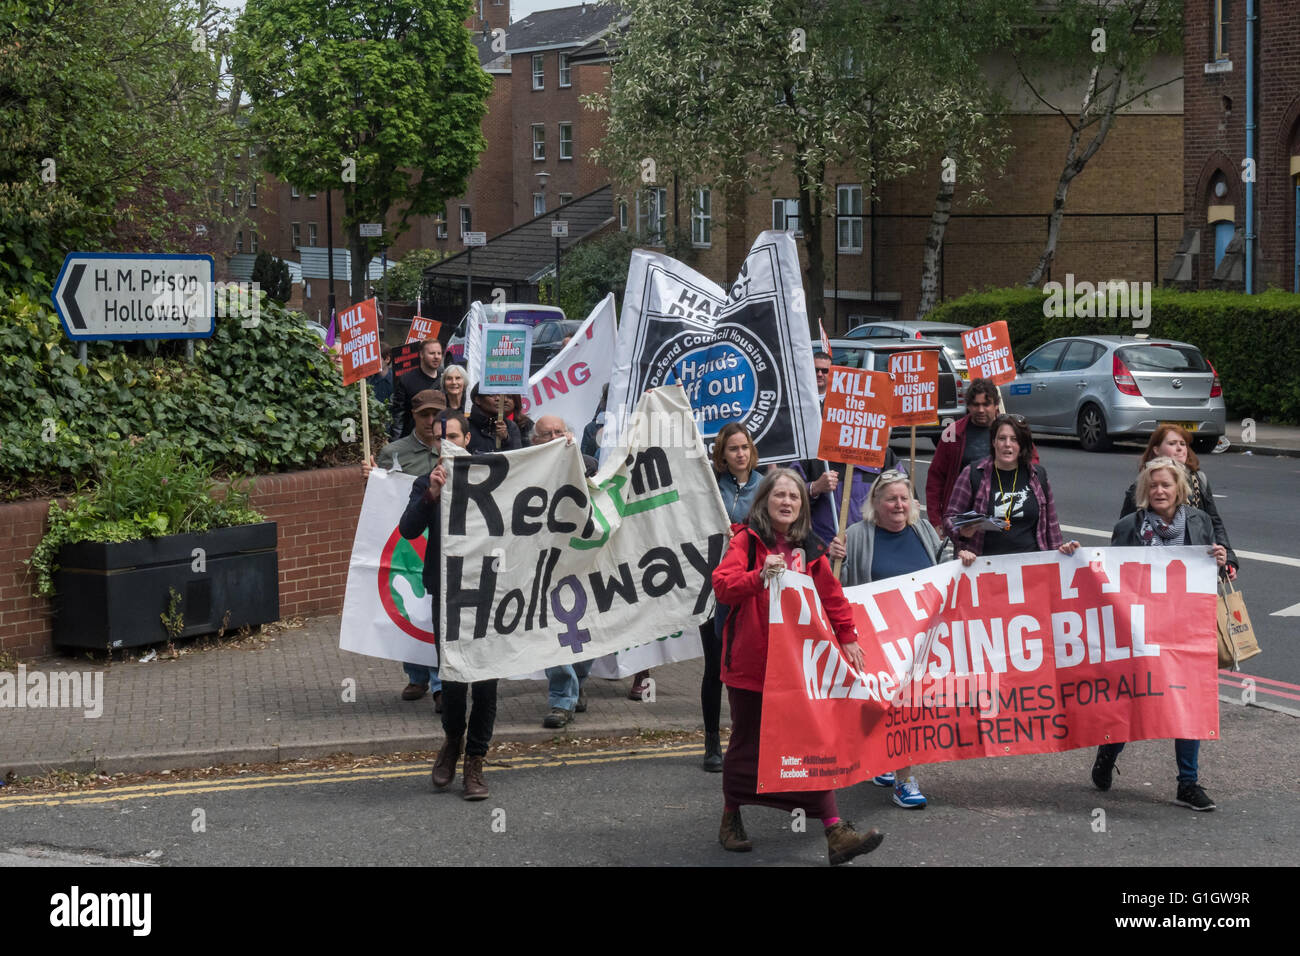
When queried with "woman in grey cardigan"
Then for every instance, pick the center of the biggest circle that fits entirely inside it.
(1164, 519)
(891, 539)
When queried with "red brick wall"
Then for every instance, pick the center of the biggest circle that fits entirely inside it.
(316, 516)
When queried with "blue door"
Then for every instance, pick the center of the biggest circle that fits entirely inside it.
(1223, 233)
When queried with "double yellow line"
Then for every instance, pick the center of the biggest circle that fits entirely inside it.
(315, 777)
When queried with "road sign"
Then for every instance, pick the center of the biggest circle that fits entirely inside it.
(559, 229)
(474, 238)
(372, 230)
(110, 295)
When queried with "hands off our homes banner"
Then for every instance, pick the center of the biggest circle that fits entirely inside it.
(1020, 654)
(569, 385)
(387, 613)
(742, 355)
(542, 567)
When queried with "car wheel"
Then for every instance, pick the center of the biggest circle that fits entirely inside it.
(1204, 444)
(1092, 429)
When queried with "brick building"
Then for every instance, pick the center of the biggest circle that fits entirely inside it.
(1216, 65)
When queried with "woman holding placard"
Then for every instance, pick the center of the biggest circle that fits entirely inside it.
(1164, 519)
(891, 539)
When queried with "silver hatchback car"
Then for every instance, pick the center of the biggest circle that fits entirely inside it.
(1102, 387)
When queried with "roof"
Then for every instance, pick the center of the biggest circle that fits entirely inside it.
(527, 252)
(567, 26)
(315, 262)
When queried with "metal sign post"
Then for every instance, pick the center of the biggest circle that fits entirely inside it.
(471, 239)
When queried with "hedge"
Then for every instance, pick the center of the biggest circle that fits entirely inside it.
(1253, 341)
(254, 400)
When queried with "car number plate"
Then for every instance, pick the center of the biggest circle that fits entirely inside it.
(1185, 426)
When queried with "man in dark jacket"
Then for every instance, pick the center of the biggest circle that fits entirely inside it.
(428, 374)
(485, 427)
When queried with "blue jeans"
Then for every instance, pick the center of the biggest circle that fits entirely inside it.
(423, 674)
(1185, 752)
(565, 684)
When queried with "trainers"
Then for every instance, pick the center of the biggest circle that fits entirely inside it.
(843, 842)
(1102, 769)
(1190, 795)
(557, 718)
(908, 795)
(884, 780)
(414, 691)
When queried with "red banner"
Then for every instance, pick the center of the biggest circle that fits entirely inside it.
(988, 353)
(359, 337)
(1019, 654)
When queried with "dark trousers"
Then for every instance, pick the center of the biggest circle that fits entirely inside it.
(740, 764)
(711, 684)
(482, 718)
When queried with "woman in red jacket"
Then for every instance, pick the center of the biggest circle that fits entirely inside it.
(761, 549)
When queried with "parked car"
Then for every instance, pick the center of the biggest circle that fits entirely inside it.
(1102, 387)
(513, 313)
(874, 355)
(947, 333)
(319, 329)
(548, 338)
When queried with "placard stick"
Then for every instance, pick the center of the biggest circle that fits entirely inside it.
(501, 417)
(365, 421)
(911, 464)
(845, 496)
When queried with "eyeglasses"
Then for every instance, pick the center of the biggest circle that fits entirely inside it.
(822, 371)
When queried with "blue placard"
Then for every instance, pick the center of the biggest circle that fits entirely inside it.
(507, 351)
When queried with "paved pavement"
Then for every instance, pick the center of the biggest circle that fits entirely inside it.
(1268, 440)
(283, 698)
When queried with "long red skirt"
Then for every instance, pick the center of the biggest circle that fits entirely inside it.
(740, 765)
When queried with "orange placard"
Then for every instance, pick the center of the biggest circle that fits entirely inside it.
(915, 386)
(359, 339)
(422, 330)
(988, 353)
(855, 422)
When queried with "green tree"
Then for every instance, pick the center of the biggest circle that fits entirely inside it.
(590, 271)
(115, 119)
(405, 280)
(273, 277)
(380, 99)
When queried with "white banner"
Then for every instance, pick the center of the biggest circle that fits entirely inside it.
(743, 355)
(570, 384)
(541, 566)
(474, 345)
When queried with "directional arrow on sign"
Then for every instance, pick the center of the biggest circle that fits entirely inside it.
(109, 295)
(70, 295)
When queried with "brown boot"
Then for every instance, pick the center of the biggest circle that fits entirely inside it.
(444, 768)
(732, 833)
(843, 842)
(475, 788)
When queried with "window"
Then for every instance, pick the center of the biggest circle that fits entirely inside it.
(311, 195)
(239, 242)
(566, 73)
(652, 214)
(539, 142)
(785, 215)
(293, 192)
(848, 202)
(1045, 359)
(566, 141)
(702, 217)
(539, 72)
(295, 233)
(622, 214)
(565, 197)
(539, 203)
(252, 195)
(466, 221)
(1222, 16)
(239, 196)
(311, 233)
(440, 223)
(252, 242)
(1080, 355)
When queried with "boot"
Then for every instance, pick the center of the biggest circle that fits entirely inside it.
(843, 842)
(444, 768)
(475, 788)
(712, 752)
(732, 833)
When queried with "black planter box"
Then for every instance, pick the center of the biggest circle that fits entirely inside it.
(113, 595)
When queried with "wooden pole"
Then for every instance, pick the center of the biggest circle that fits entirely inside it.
(365, 422)
(501, 416)
(911, 465)
(845, 497)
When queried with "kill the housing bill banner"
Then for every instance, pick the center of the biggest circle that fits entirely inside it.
(1018, 654)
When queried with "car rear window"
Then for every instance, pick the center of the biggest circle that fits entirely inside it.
(1163, 358)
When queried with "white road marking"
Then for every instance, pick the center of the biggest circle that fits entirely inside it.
(1252, 555)
(1292, 611)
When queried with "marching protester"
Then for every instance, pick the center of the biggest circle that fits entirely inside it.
(423, 514)
(735, 461)
(485, 428)
(455, 385)
(778, 524)
(382, 381)
(425, 375)
(522, 421)
(1163, 518)
(970, 443)
(1011, 487)
(564, 682)
(1173, 441)
(417, 454)
(890, 540)
(826, 491)
(822, 369)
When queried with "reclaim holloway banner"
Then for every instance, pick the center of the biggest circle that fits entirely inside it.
(541, 566)
(570, 384)
(742, 355)
(1019, 654)
(387, 612)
